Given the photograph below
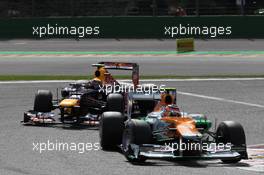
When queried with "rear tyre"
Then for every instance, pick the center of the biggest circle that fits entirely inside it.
(136, 132)
(115, 102)
(43, 101)
(232, 132)
(110, 129)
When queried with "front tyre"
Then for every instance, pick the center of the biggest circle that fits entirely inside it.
(43, 101)
(232, 132)
(110, 129)
(136, 132)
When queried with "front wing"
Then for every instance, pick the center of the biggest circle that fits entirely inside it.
(152, 151)
(38, 118)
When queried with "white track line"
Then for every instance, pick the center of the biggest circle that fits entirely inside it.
(144, 80)
(202, 79)
(165, 80)
(221, 99)
(32, 82)
(256, 145)
(19, 43)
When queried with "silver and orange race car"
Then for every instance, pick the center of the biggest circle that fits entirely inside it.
(167, 133)
(83, 101)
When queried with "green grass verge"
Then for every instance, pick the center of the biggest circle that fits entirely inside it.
(83, 77)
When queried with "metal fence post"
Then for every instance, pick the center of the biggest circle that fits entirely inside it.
(32, 8)
(242, 7)
(112, 8)
(72, 8)
(197, 7)
(154, 7)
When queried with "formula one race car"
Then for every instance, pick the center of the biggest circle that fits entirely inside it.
(168, 133)
(84, 101)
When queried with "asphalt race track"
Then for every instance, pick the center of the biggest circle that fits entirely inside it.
(127, 45)
(194, 64)
(18, 157)
(149, 65)
(239, 100)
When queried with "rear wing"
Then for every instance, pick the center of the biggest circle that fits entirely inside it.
(122, 66)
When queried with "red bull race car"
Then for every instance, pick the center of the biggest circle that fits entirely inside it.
(84, 101)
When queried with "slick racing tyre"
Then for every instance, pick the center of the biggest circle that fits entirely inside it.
(43, 101)
(232, 132)
(110, 129)
(136, 132)
(115, 102)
